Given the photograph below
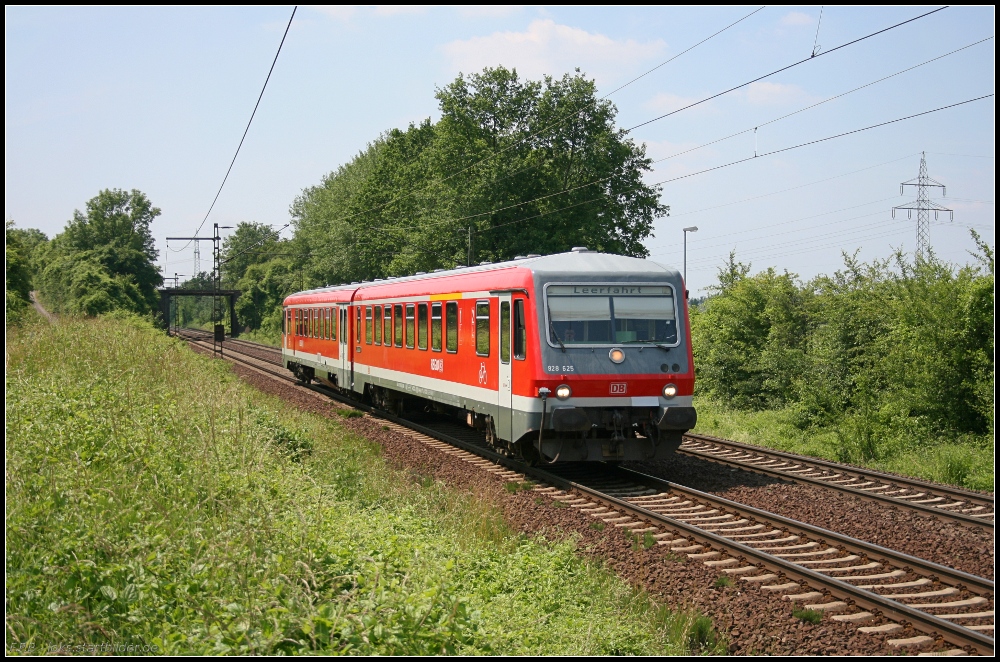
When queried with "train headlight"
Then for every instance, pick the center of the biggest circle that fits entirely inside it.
(563, 392)
(616, 355)
(669, 391)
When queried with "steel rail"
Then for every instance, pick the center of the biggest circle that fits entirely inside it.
(889, 480)
(855, 595)
(932, 625)
(933, 570)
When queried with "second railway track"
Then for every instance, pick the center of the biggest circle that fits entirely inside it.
(940, 501)
(851, 579)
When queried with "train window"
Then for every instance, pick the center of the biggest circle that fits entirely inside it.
(378, 325)
(409, 326)
(422, 326)
(451, 325)
(387, 325)
(344, 338)
(312, 323)
(324, 324)
(284, 321)
(505, 332)
(436, 327)
(644, 319)
(329, 324)
(332, 312)
(593, 315)
(368, 325)
(483, 328)
(357, 324)
(397, 313)
(520, 331)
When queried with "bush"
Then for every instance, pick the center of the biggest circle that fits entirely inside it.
(891, 355)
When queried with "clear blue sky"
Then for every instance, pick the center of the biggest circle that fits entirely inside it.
(157, 99)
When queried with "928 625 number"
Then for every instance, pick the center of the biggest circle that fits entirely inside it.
(560, 368)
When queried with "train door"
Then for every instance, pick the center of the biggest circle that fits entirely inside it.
(504, 389)
(343, 340)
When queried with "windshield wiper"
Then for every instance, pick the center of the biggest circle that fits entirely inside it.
(665, 348)
(556, 336)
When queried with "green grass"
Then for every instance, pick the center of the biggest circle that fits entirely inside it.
(966, 463)
(153, 499)
(263, 337)
(723, 582)
(808, 615)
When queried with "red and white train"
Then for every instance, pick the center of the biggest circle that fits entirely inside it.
(568, 357)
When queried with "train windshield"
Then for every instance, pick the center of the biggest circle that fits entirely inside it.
(611, 314)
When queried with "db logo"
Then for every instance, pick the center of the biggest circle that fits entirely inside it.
(482, 373)
(437, 365)
(618, 388)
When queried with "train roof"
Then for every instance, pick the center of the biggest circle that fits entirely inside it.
(578, 262)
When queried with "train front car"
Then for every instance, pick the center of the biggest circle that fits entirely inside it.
(617, 373)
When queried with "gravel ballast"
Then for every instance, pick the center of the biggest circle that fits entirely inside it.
(965, 548)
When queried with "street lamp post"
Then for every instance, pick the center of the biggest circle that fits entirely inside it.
(693, 228)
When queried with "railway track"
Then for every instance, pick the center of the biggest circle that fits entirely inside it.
(940, 501)
(820, 570)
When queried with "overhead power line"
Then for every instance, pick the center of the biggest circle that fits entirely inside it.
(820, 140)
(821, 239)
(471, 216)
(245, 131)
(785, 68)
(696, 244)
(692, 174)
(820, 103)
(769, 237)
(793, 188)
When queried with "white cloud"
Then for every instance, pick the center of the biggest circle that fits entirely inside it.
(488, 11)
(797, 18)
(547, 47)
(773, 94)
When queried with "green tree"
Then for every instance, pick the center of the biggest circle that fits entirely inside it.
(512, 167)
(104, 259)
(750, 336)
(247, 245)
(264, 288)
(17, 274)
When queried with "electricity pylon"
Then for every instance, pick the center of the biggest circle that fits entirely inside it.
(923, 206)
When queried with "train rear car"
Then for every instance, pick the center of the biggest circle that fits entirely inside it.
(570, 357)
